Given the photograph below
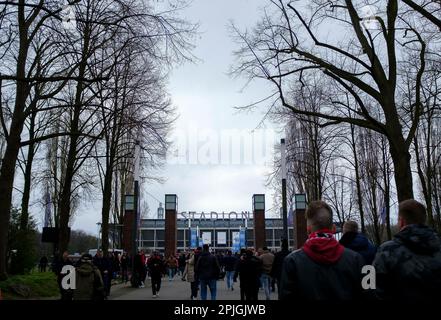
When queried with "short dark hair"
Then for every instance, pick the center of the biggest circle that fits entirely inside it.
(206, 247)
(412, 211)
(350, 226)
(316, 218)
(284, 244)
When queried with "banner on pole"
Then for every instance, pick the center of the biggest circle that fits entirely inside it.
(193, 238)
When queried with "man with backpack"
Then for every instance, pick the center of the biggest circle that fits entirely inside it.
(89, 284)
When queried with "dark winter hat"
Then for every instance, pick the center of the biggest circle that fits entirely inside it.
(86, 257)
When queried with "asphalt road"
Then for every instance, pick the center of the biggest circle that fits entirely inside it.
(175, 290)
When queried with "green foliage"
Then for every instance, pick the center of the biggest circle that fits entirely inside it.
(21, 243)
(40, 284)
(81, 242)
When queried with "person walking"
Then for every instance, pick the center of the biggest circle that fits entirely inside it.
(172, 265)
(182, 261)
(116, 265)
(43, 264)
(357, 241)
(139, 269)
(229, 262)
(66, 295)
(189, 275)
(89, 284)
(249, 271)
(276, 270)
(408, 268)
(156, 267)
(104, 266)
(207, 269)
(322, 269)
(124, 263)
(267, 259)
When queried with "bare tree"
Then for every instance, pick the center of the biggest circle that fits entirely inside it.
(287, 45)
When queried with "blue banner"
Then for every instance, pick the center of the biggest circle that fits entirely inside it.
(236, 242)
(242, 241)
(193, 238)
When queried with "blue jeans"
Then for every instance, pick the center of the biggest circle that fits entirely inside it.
(171, 273)
(265, 279)
(212, 285)
(229, 275)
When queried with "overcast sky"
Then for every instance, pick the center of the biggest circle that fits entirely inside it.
(205, 97)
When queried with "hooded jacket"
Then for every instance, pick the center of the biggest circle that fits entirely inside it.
(89, 284)
(359, 243)
(409, 266)
(322, 270)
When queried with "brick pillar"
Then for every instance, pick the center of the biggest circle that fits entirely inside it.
(259, 221)
(300, 228)
(129, 215)
(171, 231)
(129, 222)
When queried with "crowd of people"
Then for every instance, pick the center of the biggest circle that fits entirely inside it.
(407, 267)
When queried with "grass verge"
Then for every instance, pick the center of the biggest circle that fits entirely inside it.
(36, 285)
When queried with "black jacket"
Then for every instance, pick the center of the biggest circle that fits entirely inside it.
(305, 279)
(249, 270)
(207, 267)
(156, 266)
(409, 266)
(230, 263)
(361, 244)
(276, 270)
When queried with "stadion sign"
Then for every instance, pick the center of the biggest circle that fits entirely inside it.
(193, 215)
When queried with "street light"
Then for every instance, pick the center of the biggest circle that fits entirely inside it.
(171, 202)
(284, 203)
(300, 201)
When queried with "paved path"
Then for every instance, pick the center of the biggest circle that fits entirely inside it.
(175, 290)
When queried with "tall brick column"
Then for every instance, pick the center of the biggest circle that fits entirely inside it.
(129, 220)
(259, 221)
(171, 212)
(300, 229)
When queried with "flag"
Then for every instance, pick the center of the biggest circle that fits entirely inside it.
(193, 238)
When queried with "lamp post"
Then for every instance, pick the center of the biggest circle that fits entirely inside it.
(284, 203)
(189, 232)
(136, 201)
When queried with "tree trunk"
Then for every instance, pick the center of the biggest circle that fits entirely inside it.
(105, 212)
(357, 180)
(7, 173)
(7, 170)
(424, 185)
(66, 193)
(402, 170)
(24, 218)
